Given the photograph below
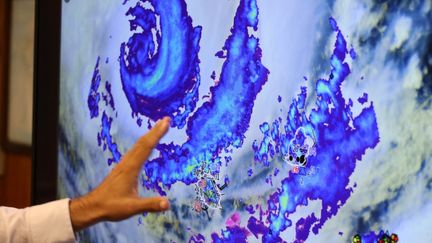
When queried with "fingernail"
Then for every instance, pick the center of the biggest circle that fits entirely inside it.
(164, 204)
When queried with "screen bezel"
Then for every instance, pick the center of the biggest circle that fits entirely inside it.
(46, 100)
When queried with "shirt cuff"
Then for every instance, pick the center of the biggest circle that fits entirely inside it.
(50, 222)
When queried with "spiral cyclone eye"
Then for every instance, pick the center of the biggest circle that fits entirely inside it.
(159, 64)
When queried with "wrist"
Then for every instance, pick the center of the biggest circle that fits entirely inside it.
(84, 212)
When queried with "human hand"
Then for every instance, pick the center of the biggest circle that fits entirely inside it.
(117, 198)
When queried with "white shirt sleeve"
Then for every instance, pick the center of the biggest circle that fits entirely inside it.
(49, 222)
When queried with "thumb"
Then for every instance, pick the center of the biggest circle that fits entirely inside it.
(151, 204)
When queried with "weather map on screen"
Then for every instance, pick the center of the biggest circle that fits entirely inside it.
(291, 121)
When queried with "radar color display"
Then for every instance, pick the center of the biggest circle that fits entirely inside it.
(300, 121)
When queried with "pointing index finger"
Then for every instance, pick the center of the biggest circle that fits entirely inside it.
(145, 144)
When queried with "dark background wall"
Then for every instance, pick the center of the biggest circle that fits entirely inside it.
(15, 181)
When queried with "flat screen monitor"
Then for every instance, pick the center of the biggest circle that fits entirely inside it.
(291, 121)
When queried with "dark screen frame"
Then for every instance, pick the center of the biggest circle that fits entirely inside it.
(46, 100)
